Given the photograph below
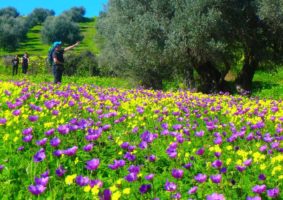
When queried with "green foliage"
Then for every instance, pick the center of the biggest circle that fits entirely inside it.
(38, 16)
(62, 29)
(82, 64)
(9, 12)
(75, 14)
(13, 30)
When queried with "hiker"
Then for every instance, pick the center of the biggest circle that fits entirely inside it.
(58, 60)
(15, 63)
(25, 62)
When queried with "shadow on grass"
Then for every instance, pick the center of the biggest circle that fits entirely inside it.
(260, 85)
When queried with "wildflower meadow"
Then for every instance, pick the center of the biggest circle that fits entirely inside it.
(87, 142)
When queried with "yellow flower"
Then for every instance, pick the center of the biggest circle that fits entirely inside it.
(95, 190)
(6, 137)
(229, 148)
(113, 188)
(87, 188)
(127, 191)
(187, 155)
(262, 166)
(116, 195)
(280, 177)
(70, 178)
(16, 139)
(77, 160)
(228, 161)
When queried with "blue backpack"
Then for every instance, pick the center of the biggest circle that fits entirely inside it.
(50, 55)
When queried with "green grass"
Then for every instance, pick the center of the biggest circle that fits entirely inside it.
(33, 44)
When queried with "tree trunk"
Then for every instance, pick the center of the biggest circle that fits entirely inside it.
(189, 77)
(245, 78)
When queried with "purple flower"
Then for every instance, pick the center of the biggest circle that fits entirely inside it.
(262, 177)
(200, 178)
(177, 173)
(125, 145)
(176, 196)
(63, 129)
(16, 112)
(27, 138)
(82, 181)
(152, 158)
(273, 193)
(1, 167)
(21, 148)
(33, 118)
(240, 168)
(117, 164)
(177, 126)
(92, 164)
(60, 171)
(96, 182)
(39, 156)
(170, 186)
(36, 189)
(130, 156)
(49, 132)
(216, 164)
(106, 195)
(193, 190)
(216, 178)
(27, 131)
(71, 151)
(41, 181)
(200, 151)
(149, 177)
(88, 147)
(215, 196)
(259, 189)
(134, 169)
(248, 162)
(58, 153)
(145, 188)
(3, 121)
(254, 198)
(41, 142)
(55, 142)
(188, 165)
(199, 134)
(131, 177)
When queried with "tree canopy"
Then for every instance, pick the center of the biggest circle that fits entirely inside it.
(154, 40)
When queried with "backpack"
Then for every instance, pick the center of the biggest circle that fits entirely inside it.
(50, 55)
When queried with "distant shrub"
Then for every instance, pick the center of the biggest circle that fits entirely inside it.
(38, 16)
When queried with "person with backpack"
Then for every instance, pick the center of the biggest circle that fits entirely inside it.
(58, 59)
(15, 64)
(25, 62)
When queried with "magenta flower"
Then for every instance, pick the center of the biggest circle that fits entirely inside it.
(41, 181)
(177, 173)
(200, 151)
(63, 129)
(1, 167)
(259, 189)
(248, 162)
(27, 138)
(273, 193)
(88, 147)
(3, 121)
(149, 177)
(49, 132)
(254, 198)
(39, 156)
(193, 190)
(215, 196)
(200, 178)
(170, 186)
(92, 164)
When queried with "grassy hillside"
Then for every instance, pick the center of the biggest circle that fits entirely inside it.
(34, 46)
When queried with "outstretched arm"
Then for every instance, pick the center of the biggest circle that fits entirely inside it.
(71, 47)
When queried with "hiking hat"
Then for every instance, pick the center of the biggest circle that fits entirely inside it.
(57, 43)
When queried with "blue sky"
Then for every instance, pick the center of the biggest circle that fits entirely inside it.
(25, 7)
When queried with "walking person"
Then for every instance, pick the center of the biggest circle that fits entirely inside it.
(58, 60)
(25, 62)
(15, 64)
